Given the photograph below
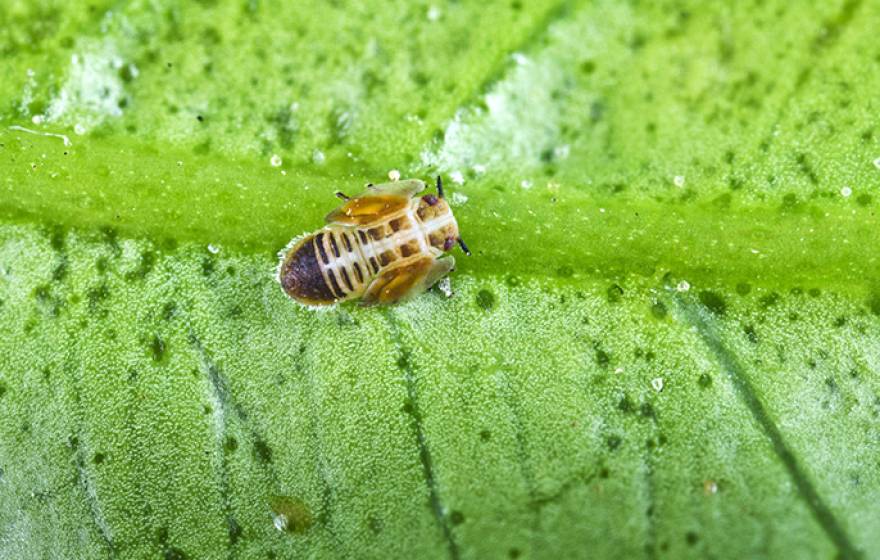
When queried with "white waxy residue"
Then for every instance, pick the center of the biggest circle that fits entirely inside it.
(657, 384)
(683, 286)
(846, 192)
(394, 175)
(63, 138)
(445, 286)
(318, 157)
(458, 198)
(678, 181)
(93, 89)
(275, 160)
(457, 177)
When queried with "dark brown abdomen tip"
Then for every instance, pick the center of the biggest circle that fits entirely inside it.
(301, 277)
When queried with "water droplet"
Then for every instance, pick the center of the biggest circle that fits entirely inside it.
(526, 184)
(79, 129)
(710, 487)
(434, 13)
(394, 175)
(37, 119)
(290, 514)
(657, 384)
(683, 286)
(318, 157)
(678, 180)
(213, 249)
(457, 177)
(877, 163)
(275, 160)
(519, 58)
(846, 192)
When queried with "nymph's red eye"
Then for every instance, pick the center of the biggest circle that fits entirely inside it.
(449, 243)
(430, 199)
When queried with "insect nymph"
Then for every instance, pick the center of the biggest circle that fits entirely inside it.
(382, 246)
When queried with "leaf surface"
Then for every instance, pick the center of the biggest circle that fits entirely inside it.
(665, 344)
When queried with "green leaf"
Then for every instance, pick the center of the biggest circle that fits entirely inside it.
(666, 342)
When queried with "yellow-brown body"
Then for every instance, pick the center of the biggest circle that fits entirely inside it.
(382, 246)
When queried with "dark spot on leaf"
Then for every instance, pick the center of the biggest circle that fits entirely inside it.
(456, 518)
(2, 388)
(407, 407)
(658, 310)
(60, 270)
(174, 553)
(750, 333)
(602, 358)
(647, 411)
(863, 199)
(485, 435)
(625, 405)
(234, 530)
(514, 553)
(230, 444)
(604, 472)
(403, 360)
(691, 538)
(613, 442)
(874, 304)
(831, 384)
(56, 238)
(375, 524)
(168, 310)
(41, 293)
(713, 302)
(262, 451)
(743, 288)
(98, 458)
(705, 380)
(157, 348)
(588, 67)
(769, 300)
(208, 266)
(485, 300)
(565, 272)
(814, 292)
(807, 169)
(614, 293)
